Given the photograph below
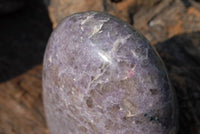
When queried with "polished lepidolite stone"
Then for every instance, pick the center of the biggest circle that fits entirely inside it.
(101, 76)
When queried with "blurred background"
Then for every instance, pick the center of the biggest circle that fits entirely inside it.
(172, 27)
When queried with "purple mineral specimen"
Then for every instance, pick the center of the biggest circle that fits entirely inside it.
(101, 76)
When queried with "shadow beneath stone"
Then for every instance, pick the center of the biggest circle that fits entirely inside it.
(23, 37)
(181, 55)
(47, 2)
(8, 6)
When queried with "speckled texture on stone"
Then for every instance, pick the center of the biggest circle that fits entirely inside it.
(101, 76)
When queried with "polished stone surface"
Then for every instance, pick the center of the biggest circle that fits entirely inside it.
(101, 76)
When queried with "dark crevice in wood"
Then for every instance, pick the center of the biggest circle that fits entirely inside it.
(105, 5)
(116, 1)
(131, 17)
(186, 3)
(197, 0)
